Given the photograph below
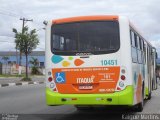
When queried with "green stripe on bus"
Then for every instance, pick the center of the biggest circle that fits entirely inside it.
(124, 97)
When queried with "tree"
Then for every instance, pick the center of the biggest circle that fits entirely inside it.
(26, 42)
(5, 59)
(35, 64)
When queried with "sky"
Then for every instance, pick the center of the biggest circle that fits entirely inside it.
(144, 14)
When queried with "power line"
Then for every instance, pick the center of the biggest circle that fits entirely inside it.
(7, 36)
(9, 13)
(24, 21)
(13, 14)
(6, 42)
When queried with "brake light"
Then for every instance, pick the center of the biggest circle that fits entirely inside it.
(123, 77)
(118, 88)
(50, 79)
(55, 90)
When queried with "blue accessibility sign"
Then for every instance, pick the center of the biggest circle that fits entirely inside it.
(60, 77)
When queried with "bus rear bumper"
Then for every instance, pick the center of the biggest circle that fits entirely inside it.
(124, 97)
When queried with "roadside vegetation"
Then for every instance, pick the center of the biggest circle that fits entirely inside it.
(35, 66)
(16, 75)
(26, 41)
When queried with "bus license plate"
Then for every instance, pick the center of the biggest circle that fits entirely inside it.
(85, 87)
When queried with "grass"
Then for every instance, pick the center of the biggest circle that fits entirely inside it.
(26, 79)
(16, 75)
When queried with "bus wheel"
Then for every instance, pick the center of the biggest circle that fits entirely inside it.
(82, 108)
(150, 92)
(150, 95)
(139, 106)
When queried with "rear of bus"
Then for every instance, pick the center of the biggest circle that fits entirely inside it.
(88, 61)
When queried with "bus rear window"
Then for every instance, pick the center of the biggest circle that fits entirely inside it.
(95, 37)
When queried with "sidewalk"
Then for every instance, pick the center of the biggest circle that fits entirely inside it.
(11, 81)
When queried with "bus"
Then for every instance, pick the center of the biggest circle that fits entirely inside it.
(98, 61)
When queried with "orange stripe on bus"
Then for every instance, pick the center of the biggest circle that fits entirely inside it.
(85, 18)
(103, 78)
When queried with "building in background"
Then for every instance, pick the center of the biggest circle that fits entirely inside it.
(14, 57)
(9, 66)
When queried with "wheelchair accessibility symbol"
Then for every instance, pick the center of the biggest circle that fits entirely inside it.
(60, 77)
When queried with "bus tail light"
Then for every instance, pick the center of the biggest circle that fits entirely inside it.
(123, 77)
(118, 88)
(50, 79)
(55, 89)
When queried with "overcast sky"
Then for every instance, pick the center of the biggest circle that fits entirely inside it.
(144, 14)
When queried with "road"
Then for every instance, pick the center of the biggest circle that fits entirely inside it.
(30, 100)
(5, 80)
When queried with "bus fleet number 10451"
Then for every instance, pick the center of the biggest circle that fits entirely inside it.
(108, 62)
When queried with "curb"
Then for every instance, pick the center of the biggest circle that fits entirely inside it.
(19, 84)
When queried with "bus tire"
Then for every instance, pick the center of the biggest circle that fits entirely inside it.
(82, 108)
(149, 96)
(139, 106)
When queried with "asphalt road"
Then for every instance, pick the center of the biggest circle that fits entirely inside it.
(5, 80)
(30, 101)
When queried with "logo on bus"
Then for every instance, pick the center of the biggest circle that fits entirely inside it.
(86, 80)
(83, 54)
(60, 77)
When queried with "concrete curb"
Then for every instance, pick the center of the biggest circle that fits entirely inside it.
(19, 84)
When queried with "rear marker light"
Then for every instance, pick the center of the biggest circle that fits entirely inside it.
(74, 98)
(54, 89)
(50, 79)
(52, 85)
(123, 71)
(118, 88)
(123, 77)
(49, 73)
(121, 84)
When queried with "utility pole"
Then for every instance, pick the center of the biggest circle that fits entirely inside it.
(24, 20)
